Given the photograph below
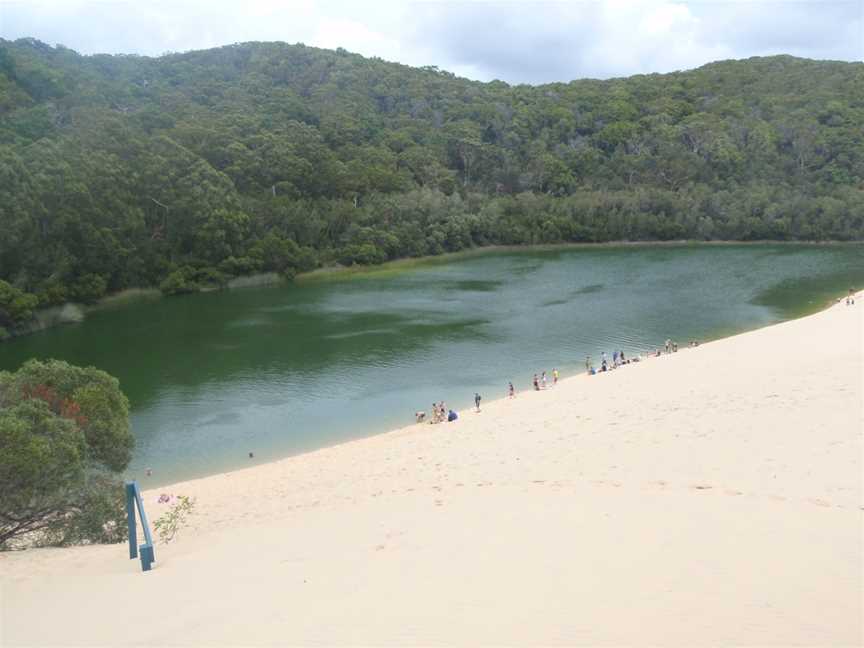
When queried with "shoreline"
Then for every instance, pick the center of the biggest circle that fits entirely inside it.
(469, 410)
(419, 428)
(711, 497)
(75, 312)
(362, 271)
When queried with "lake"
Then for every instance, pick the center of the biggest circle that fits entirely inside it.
(286, 369)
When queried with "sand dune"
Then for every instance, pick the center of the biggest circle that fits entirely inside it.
(708, 497)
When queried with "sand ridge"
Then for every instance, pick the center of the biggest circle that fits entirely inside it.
(712, 496)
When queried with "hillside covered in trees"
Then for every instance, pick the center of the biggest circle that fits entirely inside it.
(188, 169)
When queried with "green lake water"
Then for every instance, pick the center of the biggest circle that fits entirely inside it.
(282, 370)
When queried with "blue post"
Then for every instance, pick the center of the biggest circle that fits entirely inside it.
(147, 558)
(133, 501)
(130, 516)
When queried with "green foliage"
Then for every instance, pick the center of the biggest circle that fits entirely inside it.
(188, 169)
(170, 522)
(188, 280)
(98, 516)
(180, 282)
(16, 306)
(42, 467)
(87, 396)
(64, 436)
(88, 288)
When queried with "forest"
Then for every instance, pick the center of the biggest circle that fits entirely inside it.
(186, 170)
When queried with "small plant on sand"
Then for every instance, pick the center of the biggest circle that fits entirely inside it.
(170, 522)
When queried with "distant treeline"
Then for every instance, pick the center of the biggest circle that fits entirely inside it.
(189, 169)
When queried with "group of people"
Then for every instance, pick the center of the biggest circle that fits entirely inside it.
(440, 413)
(540, 382)
(618, 359)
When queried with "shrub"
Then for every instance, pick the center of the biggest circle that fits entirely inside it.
(170, 522)
(180, 282)
(64, 437)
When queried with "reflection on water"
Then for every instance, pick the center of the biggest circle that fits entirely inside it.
(281, 370)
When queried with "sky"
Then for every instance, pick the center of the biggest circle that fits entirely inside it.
(518, 42)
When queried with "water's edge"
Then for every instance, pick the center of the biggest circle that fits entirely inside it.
(462, 412)
(74, 312)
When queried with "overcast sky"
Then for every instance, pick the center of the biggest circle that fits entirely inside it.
(518, 42)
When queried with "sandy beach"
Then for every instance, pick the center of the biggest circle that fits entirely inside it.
(707, 497)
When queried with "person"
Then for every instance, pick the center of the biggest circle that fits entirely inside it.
(554, 377)
(536, 383)
(603, 366)
(621, 357)
(452, 416)
(614, 358)
(602, 357)
(511, 390)
(588, 363)
(850, 299)
(251, 455)
(477, 401)
(543, 380)
(668, 345)
(420, 416)
(149, 472)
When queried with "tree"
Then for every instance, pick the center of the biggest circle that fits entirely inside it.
(64, 439)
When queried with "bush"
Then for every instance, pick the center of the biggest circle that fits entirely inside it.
(364, 254)
(16, 306)
(99, 516)
(64, 437)
(89, 288)
(237, 267)
(179, 282)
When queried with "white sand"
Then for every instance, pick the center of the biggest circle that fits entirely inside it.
(709, 497)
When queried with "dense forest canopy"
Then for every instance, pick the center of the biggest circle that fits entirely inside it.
(188, 169)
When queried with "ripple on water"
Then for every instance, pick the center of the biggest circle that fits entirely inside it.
(587, 290)
(555, 302)
(354, 334)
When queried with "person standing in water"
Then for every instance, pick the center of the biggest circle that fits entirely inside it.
(511, 390)
(477, 401)
(588, 363)
(554, 377)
